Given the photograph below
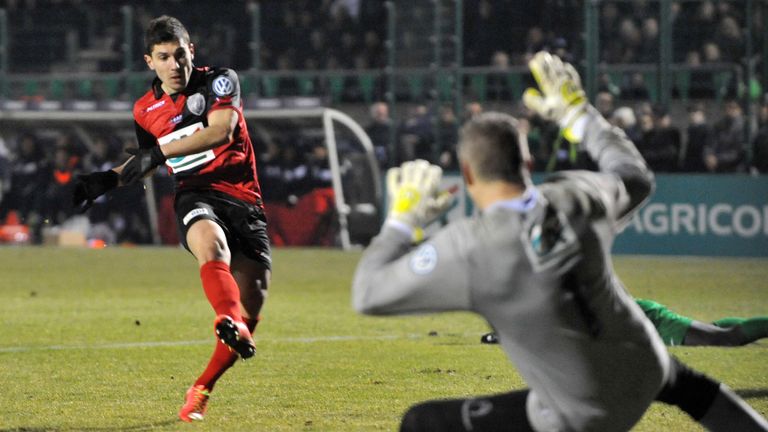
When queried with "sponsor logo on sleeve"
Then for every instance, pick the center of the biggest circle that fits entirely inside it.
(424, 259)
(193, 214)
(223, 86)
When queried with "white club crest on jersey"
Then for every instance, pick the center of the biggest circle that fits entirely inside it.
(424, 259)
(196, 104)
(223, 86)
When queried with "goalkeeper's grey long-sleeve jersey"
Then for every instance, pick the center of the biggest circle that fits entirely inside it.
(538, 268)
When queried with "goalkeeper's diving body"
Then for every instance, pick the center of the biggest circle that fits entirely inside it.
(191, 120)
(535, 264)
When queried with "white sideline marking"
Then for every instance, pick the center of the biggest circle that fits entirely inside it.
(126, 345)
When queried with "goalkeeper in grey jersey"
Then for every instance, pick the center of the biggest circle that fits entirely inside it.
(536, 264)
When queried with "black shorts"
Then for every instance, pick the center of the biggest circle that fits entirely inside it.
(244, 224)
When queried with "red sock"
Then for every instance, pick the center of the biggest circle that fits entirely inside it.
(221, 289)
(221, 360)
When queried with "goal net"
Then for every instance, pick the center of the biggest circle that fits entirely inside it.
(346, 174)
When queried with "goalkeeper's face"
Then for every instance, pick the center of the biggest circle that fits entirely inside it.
(172, 62)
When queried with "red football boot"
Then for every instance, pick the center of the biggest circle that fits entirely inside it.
(235, 335)
(195, 405)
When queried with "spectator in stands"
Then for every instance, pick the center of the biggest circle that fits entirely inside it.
(471, 109)
(760, 143)
(648, 51)
(295, 172)
(535, 41)
(610, 40)
(700, 81)
(606, 84)
(700, 137)
(604, 103)
(711, 53)
(378, 130)
(635, 89)
(59, 187)
(560, 49)
(703, 22)
(448, 128)
(74, 147)
(319, 167)
(103, 156)
(372, 50)
(630, 39)
(270, 169)
(417, 135)
(727, 152)
(480, 42)
(660, 142)
(28, 182)
(498, 82)
(730, 39)
(128, 210)
(624, 118)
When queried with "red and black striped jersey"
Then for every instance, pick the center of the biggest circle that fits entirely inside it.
(161, 118)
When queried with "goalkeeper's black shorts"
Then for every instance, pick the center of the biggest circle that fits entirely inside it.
(244, 224)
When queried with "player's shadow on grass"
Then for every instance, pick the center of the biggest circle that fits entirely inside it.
(752, 393)
(136, 428)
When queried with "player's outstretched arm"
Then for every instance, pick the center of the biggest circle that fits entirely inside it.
(88, 187)
(392, 276)
(562, 100)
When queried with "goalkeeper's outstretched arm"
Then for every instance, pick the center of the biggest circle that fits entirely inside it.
(562, 100)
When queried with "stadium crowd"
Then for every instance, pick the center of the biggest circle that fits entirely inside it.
(37, 172)
(350, 34)
(696, 145)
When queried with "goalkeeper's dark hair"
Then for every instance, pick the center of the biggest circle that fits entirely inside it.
(164, 29)
(490, 144)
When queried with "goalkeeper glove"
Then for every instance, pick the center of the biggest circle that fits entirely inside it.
(561, 99)
(415, 198)
(143, 161)
(88, 187)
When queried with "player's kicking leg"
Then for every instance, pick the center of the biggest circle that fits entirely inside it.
(503, 412)
(207, 242)
(252, 278)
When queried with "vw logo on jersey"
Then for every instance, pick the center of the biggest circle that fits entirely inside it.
(223, 86)
(424, 259)
(196, 104)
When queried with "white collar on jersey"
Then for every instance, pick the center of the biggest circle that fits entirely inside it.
(523, 203)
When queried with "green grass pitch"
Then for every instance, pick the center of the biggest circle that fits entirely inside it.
(101, 340)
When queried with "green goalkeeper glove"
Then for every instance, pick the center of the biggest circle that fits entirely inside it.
(415, 198)
(562, 98)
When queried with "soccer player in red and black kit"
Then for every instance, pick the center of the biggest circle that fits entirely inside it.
(191, 120)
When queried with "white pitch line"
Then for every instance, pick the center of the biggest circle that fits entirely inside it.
(127, 345)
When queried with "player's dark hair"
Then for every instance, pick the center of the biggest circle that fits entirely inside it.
(164, 29)
(490, 144)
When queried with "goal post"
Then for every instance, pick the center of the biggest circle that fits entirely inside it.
(329, 116)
